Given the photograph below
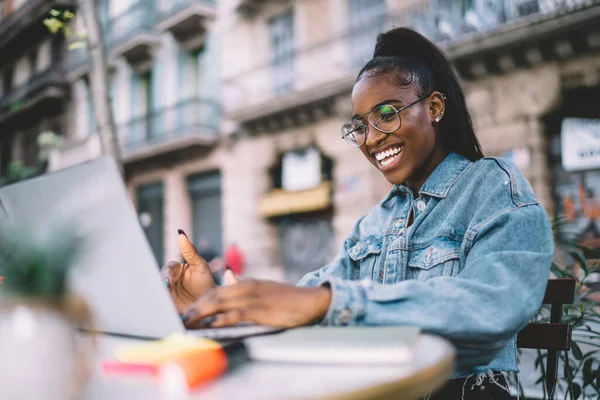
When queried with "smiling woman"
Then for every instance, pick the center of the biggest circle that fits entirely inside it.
(460, 247)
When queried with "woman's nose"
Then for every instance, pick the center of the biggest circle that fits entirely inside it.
(374, 137)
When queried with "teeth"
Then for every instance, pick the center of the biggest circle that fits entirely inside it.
(384, 154)
(388, 161)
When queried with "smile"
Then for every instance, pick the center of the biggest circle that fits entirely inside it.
(386, 157)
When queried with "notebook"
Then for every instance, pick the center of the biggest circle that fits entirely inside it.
(337, 345)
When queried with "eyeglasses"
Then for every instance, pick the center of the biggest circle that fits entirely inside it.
(385, 118)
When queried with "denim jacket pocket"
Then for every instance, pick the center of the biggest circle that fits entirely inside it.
(365, 254)
(441, 258)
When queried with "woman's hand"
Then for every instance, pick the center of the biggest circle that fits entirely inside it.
(190, 280)
(263, 302)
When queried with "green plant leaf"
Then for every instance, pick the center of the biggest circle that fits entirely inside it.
(586, 294)
(588, 373)
(53, 24)
(581, 247)
(576, 390)
(568, 371)
(576, 350)
(589, 354)
(580, 259)
(33, 266)
(77, 45)
(560, 271)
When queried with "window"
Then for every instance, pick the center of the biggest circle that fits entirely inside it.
(142, 102)
(149, 82)
(150, 207)
(187, 74)
(3, 158)
(282, 48)
(185, 114)
(205, 194)
(29, 149)
(33, 59)
(366, 18)
(90, 111)
(104, 6)
(7, 79)
(527, 7)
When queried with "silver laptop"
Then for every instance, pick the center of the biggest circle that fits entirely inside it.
(117, 273)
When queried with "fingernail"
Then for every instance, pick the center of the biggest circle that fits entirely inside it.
(181, 232)
(184, 317)
(167, 282)
(189, 314)
(209, 320)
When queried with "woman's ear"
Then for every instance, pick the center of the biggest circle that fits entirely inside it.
(437, 106)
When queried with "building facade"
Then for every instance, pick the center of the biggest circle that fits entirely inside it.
(164, 86)
(33, 84)
(231, 131)
(525, 67)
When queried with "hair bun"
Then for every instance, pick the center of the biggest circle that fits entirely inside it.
(400, 42)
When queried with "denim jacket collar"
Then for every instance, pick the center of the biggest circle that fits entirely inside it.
(441, 179)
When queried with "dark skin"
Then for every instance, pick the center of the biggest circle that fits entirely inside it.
(422, 150)
(283, 305)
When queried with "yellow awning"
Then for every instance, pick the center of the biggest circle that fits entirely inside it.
(280, 202)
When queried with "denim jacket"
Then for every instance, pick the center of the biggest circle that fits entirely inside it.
(472, 267)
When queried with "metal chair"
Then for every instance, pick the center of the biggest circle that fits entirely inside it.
(553, 336)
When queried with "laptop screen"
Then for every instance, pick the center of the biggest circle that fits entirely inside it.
(3, 212)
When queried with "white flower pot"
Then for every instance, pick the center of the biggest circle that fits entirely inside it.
(41, 354)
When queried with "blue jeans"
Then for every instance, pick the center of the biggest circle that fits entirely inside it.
(490, 386)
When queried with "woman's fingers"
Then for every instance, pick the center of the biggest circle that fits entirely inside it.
(232, 317)
(262, 302)
(189, 252)
(171, 272)
(222, 299)
(229, 277)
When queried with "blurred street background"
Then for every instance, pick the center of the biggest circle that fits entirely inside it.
(228, 112)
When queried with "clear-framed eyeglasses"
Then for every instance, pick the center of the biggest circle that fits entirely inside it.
(385, 118)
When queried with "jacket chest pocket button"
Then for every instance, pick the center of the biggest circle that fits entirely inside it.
(365, 254)
(428, 256)
(345, 316)
(441, 258)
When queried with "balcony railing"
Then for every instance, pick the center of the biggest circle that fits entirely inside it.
(317, 66)
(448, 21)
(187, 20)
(76, 59)
(191, 119)
(169, 8)
(338, 59)
(139, 18)
(48, 84)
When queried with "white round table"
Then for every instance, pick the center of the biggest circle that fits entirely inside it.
(432, 366)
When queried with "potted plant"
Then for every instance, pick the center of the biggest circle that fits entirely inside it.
(41, 353)
(579, 368)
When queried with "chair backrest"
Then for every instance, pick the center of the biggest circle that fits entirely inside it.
(555, 335)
